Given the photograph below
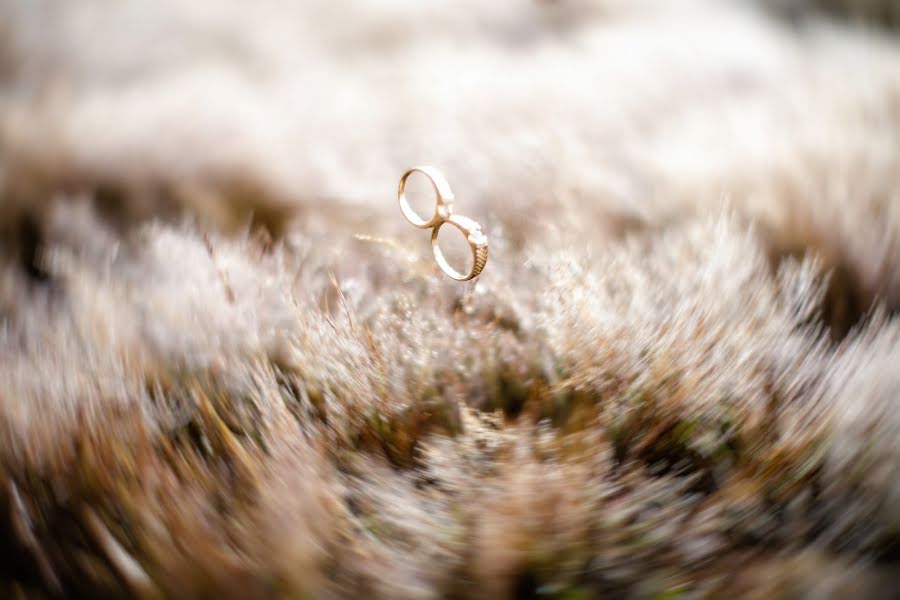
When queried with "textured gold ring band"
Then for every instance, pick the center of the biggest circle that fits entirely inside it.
(477, 241)
(443, 207)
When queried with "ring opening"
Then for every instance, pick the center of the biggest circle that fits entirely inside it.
(453, 252)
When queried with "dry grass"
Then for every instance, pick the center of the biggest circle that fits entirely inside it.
(228, 368)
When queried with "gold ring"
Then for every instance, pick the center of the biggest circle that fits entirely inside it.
(443, 213)
(477, 241)
(444, 206)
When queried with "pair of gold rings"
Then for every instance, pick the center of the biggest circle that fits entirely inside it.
(443, 213)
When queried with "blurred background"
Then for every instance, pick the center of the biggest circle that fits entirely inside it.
(643, 109)
(198, 209)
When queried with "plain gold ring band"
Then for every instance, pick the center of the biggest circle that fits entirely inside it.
(444, 206)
